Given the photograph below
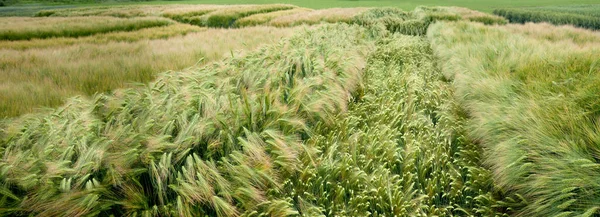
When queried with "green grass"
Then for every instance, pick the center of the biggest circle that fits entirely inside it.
(485, 5)
(532, 104)
(265, 18)
(588, 10)
(46, 72)
(226, 17)
(29, 10)
(161, 32)
(213, 141)
(19, 28)
(398, 151)
(584, 19)
(284, 130)
(373, 112)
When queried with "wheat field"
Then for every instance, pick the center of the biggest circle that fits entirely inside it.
(280, 110)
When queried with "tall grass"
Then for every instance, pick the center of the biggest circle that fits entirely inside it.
(226, 17)
(214, 141)
(187, 14)
(554, 17)
(337, 120)
(264, 18)
(163, 32)
(222, 16)
(24, 28)
(331, 15)
(399, 150)
(551, 33)
(416, 22)
(533, 108)
(117, 11)
(40, 77)
(588, 10)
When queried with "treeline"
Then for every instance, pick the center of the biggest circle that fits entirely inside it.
(557, 18)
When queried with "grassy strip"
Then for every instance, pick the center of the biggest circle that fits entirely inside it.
(556, 34)
(484, 6)
(128, 11)
(186, 14)
(28, 10)
(332, 15)
(399, 150)
(45, 77)
(215, 141)
(557, 18)
(18, 28)
(414, 22)
(226, 17)
(533, 108)
(588, 10)
(162, 32)
(260, 19)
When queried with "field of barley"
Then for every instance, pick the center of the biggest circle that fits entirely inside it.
(169, 109)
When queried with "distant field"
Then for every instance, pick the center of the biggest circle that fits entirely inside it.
(17, 28)
(89, 50)
(43, 73)
(585, 16)
(587, 10)
(485, 5)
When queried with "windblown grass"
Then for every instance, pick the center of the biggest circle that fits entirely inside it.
(534, 110)
(52, 74)
(569, 17)
(476, 16)
(332, 15)
(355, 118)
(222, 16)
(163, 32)
(263, 18)
(588, 10)
(184, 13)
(219, 141)
(24, 28)
(417, 22)
(114, 11)
(399, 150)
(226, 17)
(28, 10)
(554, 34)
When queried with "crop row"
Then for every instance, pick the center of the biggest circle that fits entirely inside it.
(280, 15)
(400, 150)
(249, 136)
(554, 17)
(18, 28)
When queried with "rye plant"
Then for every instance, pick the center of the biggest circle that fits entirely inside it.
(532, 109)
